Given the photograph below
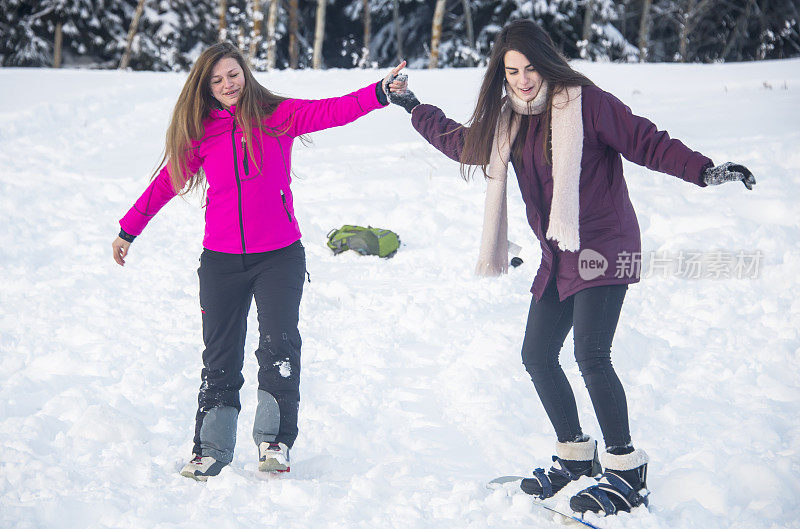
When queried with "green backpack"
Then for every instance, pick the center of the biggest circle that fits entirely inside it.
(366, 241)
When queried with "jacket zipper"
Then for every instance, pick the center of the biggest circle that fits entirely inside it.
(244, 155)
(285, 207)
(238, 182)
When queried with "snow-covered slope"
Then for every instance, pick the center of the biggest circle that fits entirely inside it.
(413, 392)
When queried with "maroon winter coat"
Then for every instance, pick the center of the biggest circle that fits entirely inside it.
(608, 223)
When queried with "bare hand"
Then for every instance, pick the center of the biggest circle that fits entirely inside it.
(120, 247)
(392, 84)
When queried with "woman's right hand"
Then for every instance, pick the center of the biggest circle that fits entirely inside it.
(120, 247)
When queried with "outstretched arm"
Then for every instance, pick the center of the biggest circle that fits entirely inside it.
(638, 140)
(159, 192)
(440, 131)
(303, 116)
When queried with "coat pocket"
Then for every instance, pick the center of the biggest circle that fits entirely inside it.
(286, 206)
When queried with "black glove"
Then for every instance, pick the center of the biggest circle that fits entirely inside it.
(729, 172)
(406, 99)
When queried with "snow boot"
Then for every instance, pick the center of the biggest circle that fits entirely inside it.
(622, 486)
(572, 460)
(200, 468)
(273, 457)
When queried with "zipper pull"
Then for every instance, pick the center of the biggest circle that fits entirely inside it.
(244, 155)
(285, 207)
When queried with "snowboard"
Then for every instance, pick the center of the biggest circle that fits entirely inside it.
(497, 483)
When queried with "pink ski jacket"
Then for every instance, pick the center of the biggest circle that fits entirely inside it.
(249, 206)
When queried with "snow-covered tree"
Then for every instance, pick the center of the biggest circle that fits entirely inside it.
(171, 33)
(28, 29)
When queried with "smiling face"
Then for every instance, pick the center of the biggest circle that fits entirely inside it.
(523, 79)
(227, 81)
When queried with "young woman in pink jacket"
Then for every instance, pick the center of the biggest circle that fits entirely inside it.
(234, 137)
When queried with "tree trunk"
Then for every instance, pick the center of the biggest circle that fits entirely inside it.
(222, 27)
(398, 35)
(644, 30)
(694, 12)
(272, 20)
(126, 56)
(367, 18)
(293, 29)
(257, 16)
(739, 28)
(470, 31)
(57, 46)
(436, 33)
(319, 34)
(762, 32)
(588, 16)
(683, 38)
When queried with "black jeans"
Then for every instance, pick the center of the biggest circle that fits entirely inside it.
(228, 284)
(593, 314)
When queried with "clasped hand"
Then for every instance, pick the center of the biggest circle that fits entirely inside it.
(395, 85)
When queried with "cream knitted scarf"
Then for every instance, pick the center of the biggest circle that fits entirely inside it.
(567, 141)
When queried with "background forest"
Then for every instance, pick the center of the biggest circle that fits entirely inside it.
(166, 35)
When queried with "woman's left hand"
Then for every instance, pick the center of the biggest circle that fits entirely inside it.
(395, 86)
(391, 84)
(729, 172)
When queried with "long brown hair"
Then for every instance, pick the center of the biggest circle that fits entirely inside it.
(196, 102)
(528, 38)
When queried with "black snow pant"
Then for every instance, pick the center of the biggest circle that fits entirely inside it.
(593, 314)
(228, 284)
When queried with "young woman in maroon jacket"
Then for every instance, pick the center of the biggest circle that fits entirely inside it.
(564, 137)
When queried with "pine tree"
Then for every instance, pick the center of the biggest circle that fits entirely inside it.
(23, 33)
(29, 28)
(172, 33)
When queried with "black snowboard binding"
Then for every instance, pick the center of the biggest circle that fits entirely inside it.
(622, 487)
(571, 462)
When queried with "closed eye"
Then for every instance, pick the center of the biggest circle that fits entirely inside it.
(512, 71)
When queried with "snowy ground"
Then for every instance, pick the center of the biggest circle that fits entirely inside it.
(413, 393)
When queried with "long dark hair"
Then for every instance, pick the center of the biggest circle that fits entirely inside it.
(196, 102)
(529, 39)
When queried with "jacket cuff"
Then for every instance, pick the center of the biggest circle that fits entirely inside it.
(126, 236)
(694, 169)
(383, 99)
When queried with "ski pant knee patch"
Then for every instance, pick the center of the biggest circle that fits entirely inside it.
(267, 423)
(218, 433)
